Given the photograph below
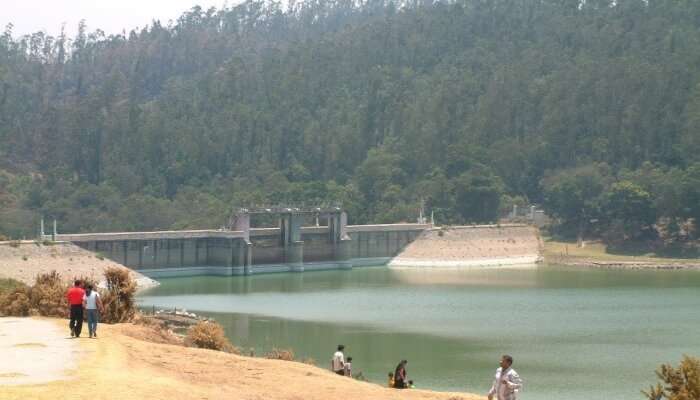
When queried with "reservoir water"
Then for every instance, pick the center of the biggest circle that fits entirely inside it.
(574, 333)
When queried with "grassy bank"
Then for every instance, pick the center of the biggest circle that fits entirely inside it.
(597, 254)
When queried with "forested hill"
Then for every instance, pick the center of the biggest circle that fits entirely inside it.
(591, 108)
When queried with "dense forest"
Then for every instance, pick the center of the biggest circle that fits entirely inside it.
(590, 108)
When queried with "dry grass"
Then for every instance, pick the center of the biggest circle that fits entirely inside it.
(47, 296)
(281, 354)
(555, 251)
(209, 335)
(15, 302)
(118, 300)
(118, 366)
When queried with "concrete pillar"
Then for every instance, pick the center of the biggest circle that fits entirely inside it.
(182, 252)
(290, 237)
(141, 249)
(247, 255)
(154, 253)
(230, 262)
(242, 223)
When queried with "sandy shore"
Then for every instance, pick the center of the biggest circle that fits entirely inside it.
(24, 261)
(472, 246)
(118, 366)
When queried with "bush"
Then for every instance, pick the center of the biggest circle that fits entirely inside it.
(118, 300)
(48, 295)
(209, 335)
(280, 354)
(9, 284)
(3, 238)
(15, 302)
(682, 383)
(15, 243)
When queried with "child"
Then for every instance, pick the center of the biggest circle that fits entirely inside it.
(348, 367)
(411, 385)
(391, 379)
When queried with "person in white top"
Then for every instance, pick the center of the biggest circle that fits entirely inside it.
(338, 361)
(507, 382)
(93, 305)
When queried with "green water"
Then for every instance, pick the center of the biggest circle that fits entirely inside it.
(574, 334)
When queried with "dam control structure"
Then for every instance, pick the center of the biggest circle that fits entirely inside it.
(240, 249)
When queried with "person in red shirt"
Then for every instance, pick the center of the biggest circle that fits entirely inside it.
(75, 299)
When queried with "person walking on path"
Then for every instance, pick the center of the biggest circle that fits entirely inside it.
(400, 375)
(75, 299)
(338, 361)
(507, 382)
(93, 306)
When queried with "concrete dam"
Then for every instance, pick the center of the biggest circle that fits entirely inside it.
(243, 250)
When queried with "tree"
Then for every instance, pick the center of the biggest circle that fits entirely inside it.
(478, 195)
(573, 196)
(682, 383)
(630, 206)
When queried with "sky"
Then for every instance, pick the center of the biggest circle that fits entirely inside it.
(112, 16)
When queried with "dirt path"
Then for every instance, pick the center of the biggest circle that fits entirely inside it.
(117, 366)
(35, 351)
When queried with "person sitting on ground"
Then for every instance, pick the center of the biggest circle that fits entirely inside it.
(411, 385)
(400, 375)
(93, 306)
(75, 299)
(347, 368)
(507, 382)
(391, 379)
(338, 361)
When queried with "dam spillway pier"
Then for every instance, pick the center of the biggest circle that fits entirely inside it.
(240, 249)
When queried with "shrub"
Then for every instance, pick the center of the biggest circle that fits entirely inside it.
(15, 302)
(15, 243)
(8, 284)
(48, 295)
(209, 335)
(280, 354)
(3, 238)
(309, 360)
(682, 383)
(118, 300)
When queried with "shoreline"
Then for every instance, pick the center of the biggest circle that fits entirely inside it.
(623, 265)
(594, 255)
(466, 263)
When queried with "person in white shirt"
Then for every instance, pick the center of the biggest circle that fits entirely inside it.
(338, 361)
(93, 305)
(507, 382)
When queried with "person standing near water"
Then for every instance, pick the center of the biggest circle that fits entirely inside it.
(93, 305)
(338, 361)
(507, 382)
(400, 375)
(75, 299)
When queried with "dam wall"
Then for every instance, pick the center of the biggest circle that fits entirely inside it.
(252, 250)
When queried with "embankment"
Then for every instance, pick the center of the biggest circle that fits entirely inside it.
(119, 366)
(24, 260)
(466, 246)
